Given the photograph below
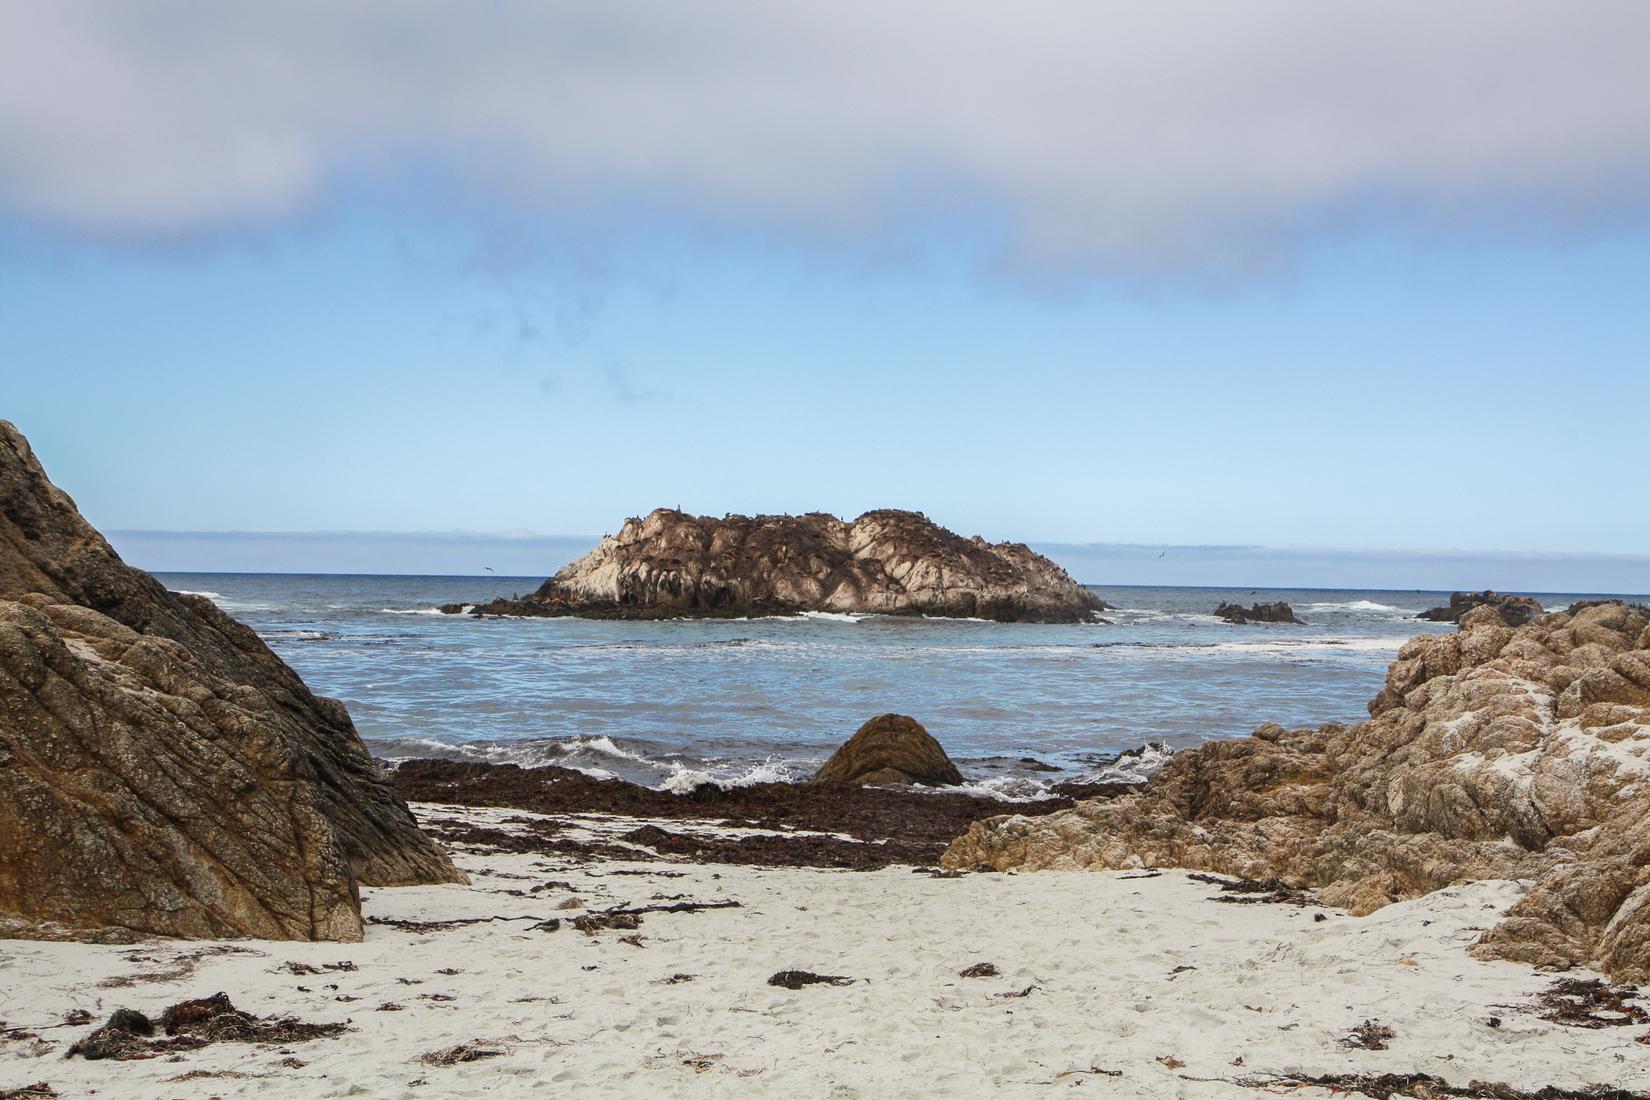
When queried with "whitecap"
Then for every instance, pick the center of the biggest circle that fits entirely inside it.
(684, 780)
(1354, 605)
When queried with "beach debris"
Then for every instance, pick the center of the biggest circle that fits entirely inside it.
(701, 1062)
(443, 925)
(591, 923)
(173, 969)
(796, 979)
(1250, 891)
(676, 979)
(1591, 1003)
(1026, 992)
(1179, 970)
(1369, 1035)
(1144, 874)
(449, 971)
(306, 968)
(388, 1006)
(124, 1036)
(633, 941)
(630, 917)
(1170, 1061)
(937, 872)
(472, 1051)
(1094, 1070)
(551, 925)
(979, 970)
(77, 1017)
(437, 997)
(190, 1025)
(37, 1091)
(571, 903)
(1425, 1086)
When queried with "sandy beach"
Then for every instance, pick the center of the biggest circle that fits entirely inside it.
(1133, 983)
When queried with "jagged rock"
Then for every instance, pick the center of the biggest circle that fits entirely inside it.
(1494, 752)
(1279, 612)
(1512, 610)
(671, 564)
(161, 771)
(890, 748)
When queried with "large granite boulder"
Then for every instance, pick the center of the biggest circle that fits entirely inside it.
(161, 771)
(1278, 612)
(890, 748)
(1512, 610)
(671, 564)
(1494, 752)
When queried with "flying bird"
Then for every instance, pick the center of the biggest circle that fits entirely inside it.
(489, 569)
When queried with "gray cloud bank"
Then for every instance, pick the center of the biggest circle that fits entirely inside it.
(1202, 135)
(537, 556)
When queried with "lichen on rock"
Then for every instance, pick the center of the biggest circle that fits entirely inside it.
(1499, 751)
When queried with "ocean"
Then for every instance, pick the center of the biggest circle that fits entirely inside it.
(674, 703)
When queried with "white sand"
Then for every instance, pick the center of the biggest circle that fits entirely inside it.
(592, 1014)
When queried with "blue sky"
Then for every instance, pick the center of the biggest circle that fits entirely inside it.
(1368, 328)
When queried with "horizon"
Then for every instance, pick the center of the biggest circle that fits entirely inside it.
(529, 556)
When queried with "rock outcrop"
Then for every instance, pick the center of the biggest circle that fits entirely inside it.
(890, 562)
(890, 748)
(1278, 612)
(1514, 610)
(1495, 752)
(161, 771)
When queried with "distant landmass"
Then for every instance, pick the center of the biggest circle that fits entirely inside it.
(671, 564)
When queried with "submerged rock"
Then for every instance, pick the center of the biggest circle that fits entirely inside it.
(1494, 752)
(1511, 610)
(1278, 612)
(890, 748)
(889, 562)
(161, 771)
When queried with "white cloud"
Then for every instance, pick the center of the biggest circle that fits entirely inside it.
(1192, 135)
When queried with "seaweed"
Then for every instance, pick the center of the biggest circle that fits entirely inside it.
(189, 1025)
(796, 979)
(1591, 1003)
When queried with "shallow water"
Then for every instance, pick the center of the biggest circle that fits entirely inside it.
(672, 702)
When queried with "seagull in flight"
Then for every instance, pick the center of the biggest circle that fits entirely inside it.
(489, 569)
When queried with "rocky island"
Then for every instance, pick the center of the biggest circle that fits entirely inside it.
(1514, 610)
(1239, 615)
(887, 562)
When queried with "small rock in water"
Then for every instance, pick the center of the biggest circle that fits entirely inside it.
(890, 748)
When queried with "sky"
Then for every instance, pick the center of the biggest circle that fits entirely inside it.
(1364, 289)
